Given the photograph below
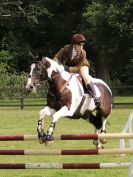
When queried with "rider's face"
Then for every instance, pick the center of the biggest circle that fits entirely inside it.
(78, 47)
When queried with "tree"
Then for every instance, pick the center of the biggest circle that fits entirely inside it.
(43, 25)
(47, 25)
(108, 25)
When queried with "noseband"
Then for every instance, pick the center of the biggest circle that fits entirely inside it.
(38, 74)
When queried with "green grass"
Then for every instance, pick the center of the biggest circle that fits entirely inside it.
(123, 99)
(16, 121)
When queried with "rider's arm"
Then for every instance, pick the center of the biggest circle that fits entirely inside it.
(59, 55)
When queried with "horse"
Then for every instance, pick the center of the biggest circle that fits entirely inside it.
(66, 97)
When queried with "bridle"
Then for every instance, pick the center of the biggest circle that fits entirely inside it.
(38, 74)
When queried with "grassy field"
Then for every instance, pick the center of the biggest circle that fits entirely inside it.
(16, 121)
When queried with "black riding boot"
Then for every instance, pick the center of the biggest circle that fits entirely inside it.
(92, 92)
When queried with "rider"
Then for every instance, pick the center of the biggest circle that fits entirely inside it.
(73, 57)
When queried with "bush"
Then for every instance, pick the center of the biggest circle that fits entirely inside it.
(10, 84)
(14, 84)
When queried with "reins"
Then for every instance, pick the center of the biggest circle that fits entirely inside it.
(63, 87)
(66, 83)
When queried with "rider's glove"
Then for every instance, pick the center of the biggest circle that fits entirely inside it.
(66, 68)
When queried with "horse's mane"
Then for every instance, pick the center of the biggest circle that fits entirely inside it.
(58, 67)
(54, 64)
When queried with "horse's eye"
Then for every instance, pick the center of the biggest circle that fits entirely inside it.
(39, 66)
(39, 71)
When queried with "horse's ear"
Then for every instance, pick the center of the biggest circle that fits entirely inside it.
(43, 60)
(30, 54)
(40, 55)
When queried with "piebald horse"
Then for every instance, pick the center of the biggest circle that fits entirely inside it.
(66, 97)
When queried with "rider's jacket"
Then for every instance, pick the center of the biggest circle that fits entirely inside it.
(74, 62)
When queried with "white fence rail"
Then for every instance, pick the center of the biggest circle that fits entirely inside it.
(128, 128)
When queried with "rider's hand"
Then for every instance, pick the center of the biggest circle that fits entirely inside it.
(66, 68)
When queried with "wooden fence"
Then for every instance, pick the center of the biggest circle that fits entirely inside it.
(35, 100)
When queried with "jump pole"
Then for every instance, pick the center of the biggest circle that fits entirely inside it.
(67, 151)
(68, 137)
(64, 165)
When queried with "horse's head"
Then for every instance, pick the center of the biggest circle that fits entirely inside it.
(40, 71)
(37, 74)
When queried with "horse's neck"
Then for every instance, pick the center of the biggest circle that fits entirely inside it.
(58, 80)
(55, 66)
(62, 77)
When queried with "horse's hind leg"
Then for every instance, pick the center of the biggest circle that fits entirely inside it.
(97, 142)
(96, 120)
(47, 111)
(99, 122)
(103, 129)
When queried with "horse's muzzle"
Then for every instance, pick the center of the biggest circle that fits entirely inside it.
(28, 90)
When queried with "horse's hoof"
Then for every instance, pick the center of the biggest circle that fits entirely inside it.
(41, 137)
(103, 141)
(49, 140)
(95, 142)
(49, 137)
(49, 143)
(41, 141)
(100, 146)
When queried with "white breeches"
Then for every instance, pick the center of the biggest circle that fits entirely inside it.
(84, 71)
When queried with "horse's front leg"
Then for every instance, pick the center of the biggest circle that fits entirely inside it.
(56, 116)
(47, 111)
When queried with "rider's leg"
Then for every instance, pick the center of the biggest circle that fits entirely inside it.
(84, 71)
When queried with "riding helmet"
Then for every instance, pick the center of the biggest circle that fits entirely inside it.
(78, 38)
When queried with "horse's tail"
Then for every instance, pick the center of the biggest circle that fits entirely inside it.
(96, 120)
